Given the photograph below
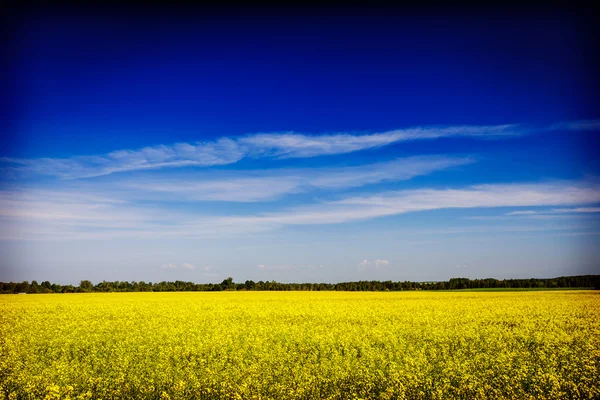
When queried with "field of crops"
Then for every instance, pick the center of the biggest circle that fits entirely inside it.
(310, 345)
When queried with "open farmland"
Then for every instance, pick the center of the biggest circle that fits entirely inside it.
(311, 345)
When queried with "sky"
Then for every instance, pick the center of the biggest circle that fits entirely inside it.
(313, 146)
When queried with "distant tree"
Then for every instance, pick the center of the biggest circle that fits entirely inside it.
(580, 281)
(22, 287)
(9, 287)
(34, 287)
(228, 283)
(86, 286)
(68, 289)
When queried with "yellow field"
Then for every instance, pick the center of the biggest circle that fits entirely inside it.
(280, 345)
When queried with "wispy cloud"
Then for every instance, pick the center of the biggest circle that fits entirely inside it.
(382, 263)
(229, 150)
(184, 266)
(74, 208)
(556, 213)
(225, 151)
(584, 125)
(480, 196)
(188, 266)
(576, 210)
(220, 152)
(528, 212)
(64, 220)
(291, 145)
(272, 184)
(372, 264)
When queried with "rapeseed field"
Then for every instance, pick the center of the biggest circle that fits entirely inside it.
(301, 345)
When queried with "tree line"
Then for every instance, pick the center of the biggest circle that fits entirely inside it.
(85, 286)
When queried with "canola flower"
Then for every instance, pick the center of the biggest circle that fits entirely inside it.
(301, 345)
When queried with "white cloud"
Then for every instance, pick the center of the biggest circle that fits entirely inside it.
(272, 184)
(375, 264)
(479, 196)
(382, 263)
(58, 218)
(289, 145)
(220, 152)
(577, 210)
(225, 151)
(556, 213)
(529, 212)
(394, 203)
(184, 266)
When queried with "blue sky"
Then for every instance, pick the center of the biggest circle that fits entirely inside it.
(317, 147)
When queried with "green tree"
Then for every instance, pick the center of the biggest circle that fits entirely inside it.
(35, 287)
(86, 286)
(228, 283)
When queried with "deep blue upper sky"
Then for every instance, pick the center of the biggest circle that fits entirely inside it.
(87, 85)
(139, 80)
